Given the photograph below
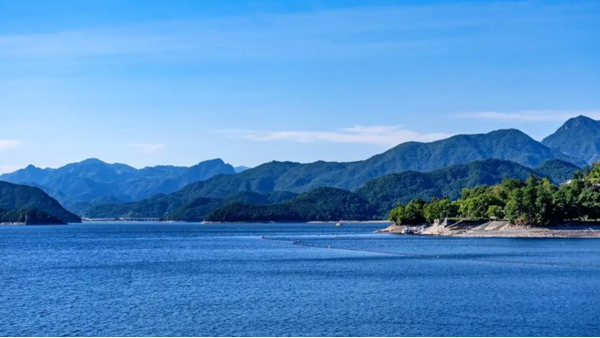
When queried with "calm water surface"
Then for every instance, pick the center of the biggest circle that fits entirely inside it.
(216, 280)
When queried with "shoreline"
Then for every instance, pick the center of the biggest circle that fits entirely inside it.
(497, 229)
(242, 222)
(297, 222)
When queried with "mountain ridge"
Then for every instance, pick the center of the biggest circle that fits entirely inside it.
(76, 184)
(204, 197)
(579, 137)
(376, 198)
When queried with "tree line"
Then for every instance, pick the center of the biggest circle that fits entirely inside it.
(535, 202)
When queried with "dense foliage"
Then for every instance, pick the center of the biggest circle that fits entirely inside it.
(29, 217)
(386, 192)
(322, 204)
(23, 197)
(535, 201)
(184, 205)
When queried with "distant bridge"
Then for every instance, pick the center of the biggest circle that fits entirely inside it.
(121, 219)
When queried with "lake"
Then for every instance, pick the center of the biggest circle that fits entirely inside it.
(160, 279)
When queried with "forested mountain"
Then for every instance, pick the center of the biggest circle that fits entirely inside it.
(184, 207)
(578, 138)
(97, 189)
(16, 197)
(196, 200)
(387, 191)
(294, 177)
(86, 186)
(321, 204)
(510, 145)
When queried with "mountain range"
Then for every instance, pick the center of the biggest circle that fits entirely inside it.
(377, 197)
(98, 189)
(255, 187)
(79, 186)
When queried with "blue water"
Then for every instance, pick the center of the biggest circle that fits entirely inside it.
(223, 280)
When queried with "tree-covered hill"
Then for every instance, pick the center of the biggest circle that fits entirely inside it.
(386, 192)
(557, 171)
(533, 202)
(183, 207)
(322, 204)
(23, 197)
(28, 217)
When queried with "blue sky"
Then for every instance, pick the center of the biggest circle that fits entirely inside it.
(249, 81)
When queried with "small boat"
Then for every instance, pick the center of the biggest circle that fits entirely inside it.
(339, 224)
(262, 237)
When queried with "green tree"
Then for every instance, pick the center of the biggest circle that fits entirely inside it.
(414, 212)
(593, 174)
(514, 205)
(589, 202)
(545, 212)
(397, 214)
(534, 202)
(432, 210)
(495, 211)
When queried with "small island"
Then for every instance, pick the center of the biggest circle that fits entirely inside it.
(513, 208)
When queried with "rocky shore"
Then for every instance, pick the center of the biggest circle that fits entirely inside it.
(498, 229)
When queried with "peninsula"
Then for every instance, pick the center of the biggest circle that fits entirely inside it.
(513, 208)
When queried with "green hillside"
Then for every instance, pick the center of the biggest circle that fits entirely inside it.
(322, 204)
(23, 197)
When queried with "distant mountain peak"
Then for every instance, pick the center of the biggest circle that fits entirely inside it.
(92, 160)
(509, 132)
(580, 120)
(212, 161)
(583, 118)
(579, 138)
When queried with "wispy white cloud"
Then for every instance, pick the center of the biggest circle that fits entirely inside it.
(9, 144)
(148, 148)
(532, 115)
(373, 135)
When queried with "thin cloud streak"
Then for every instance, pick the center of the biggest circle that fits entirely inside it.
(9, 144)
(532, 115)
(370, 135)
(148, 148)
